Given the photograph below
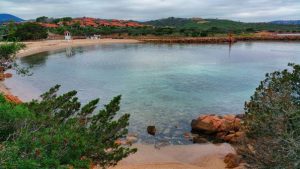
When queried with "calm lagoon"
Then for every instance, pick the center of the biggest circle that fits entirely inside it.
(162, 85)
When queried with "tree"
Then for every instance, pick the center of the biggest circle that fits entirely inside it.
(11, 118)
(42, 19)
(273, 122)
(8, 52)
(30, 31)
(60, 133)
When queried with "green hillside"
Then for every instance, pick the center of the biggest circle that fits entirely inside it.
(219, 25)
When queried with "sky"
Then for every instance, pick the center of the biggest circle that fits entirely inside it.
(143, 10)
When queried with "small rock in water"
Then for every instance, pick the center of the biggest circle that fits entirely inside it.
(151, 130)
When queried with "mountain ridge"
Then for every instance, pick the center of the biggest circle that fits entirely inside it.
(286, 22)
(9, 17)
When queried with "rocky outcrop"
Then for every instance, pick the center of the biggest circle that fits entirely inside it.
(13, 99)
(226, 128)
(3, 75)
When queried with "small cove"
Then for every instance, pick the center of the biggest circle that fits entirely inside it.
(162, 85)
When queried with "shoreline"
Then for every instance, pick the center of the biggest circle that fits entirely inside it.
(35, 47)
(218, 40)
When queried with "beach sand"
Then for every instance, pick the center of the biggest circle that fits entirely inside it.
(198, 156)
(51, 45)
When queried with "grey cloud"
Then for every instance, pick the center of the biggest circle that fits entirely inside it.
(244, 10)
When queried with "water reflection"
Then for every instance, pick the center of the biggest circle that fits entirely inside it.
(35, 60)
(70, 51)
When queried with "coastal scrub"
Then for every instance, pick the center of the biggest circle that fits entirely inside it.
(273, 122)
(57, 132)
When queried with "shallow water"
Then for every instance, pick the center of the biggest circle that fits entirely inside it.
(162, 85)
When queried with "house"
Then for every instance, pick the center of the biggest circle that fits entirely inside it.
(49, 25)
(68, 35)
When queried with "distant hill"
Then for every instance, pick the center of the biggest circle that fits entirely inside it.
(221, 24)
(287, 22)
(9, 17)
(173, 22)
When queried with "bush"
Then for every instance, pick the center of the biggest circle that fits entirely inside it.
(30, 31)
(11, 118)
(64, 134)
(9, 50)
(273, 122)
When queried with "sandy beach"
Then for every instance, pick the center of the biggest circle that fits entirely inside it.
(51, 45)
(197, 156)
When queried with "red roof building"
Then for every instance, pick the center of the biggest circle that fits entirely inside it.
(49, 25)
(86, 21)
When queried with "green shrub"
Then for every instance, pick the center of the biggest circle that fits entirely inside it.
(30, 31)
(273, 122)
(12, 118)
(9, 50)
(64, 134)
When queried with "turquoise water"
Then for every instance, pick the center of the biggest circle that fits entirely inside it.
(162, 85)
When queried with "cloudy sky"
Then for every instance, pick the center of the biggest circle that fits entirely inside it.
(243, 10)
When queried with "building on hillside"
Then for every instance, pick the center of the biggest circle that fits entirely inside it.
(94, 37)
(49, 25)
(68, 36)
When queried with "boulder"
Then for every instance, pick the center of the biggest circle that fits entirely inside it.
(226, 128)
(221, 135)
(151, 130)
(229, 117)
(229, 137)
(232, 160)
(203, 126)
